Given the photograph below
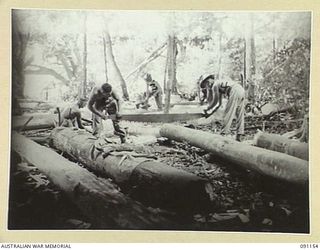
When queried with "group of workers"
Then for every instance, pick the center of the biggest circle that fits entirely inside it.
(104, 104)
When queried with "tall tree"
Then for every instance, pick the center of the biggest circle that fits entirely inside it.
(170, 71)
(105, 58)
(64, 62)
(112, 60)
(250, 55)
(174, 65)
(20, 59)
(83, 86)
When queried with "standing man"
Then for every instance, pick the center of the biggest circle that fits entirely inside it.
(235, 107)
(153, 90)
(72, 114)
(104, 100)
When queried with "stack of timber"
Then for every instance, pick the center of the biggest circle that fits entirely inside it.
(282, 144)
(267, 162)
(135, 171)
(96, 197)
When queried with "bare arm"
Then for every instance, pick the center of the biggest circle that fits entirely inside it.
(91, 102)
(117, 99)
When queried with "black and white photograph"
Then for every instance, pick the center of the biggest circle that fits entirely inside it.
(160, 120)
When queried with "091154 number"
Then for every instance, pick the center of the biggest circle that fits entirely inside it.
(309, 246)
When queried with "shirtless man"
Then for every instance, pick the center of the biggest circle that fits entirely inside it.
(104, 100)
(72, 114)
(235, 106)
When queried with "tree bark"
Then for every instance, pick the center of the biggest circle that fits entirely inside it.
(105, 58)
(174, 66)
(20, 42)
(96, 197)
(83, 87)
(170, 71)
(253, 47)
(245, 65)
(281, 144)
(270, 163)
(220, 55)
(135, 171)
(117, 70)
(250, 65)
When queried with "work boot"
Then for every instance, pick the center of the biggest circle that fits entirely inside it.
(123, 139)
(122, 136)
(238, 137)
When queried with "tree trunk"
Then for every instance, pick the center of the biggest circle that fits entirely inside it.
(135, 171)
(117, 70)
(220, 55)
(253, 47)
(174, 65)
(281, 144)
(270, 163)
(165, 74)
(250, 56)
(244, 63)
(105, 59)
(20, 42)
(83, 89)
(96, 197)
(170, 71)
(274, 51)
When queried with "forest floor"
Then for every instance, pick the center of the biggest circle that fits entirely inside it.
(244, 200)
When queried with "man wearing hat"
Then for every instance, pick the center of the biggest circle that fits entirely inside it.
(153, 90)
(235, 107)
(104, 100)
(204, 88)
(72, 114)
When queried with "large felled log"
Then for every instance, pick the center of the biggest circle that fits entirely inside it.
(98, 198)
(147, 180)
(282, 144)
(267, 162)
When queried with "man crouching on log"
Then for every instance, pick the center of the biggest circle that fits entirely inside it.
(235, 106)
(104, 99)
(72, 114)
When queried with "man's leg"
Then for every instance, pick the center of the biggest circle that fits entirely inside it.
(240, 117)
(230, 112)
(158, 99)
(66, 123)
(97, 125)
(112, 110)
(241, 110)
(119, 131)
